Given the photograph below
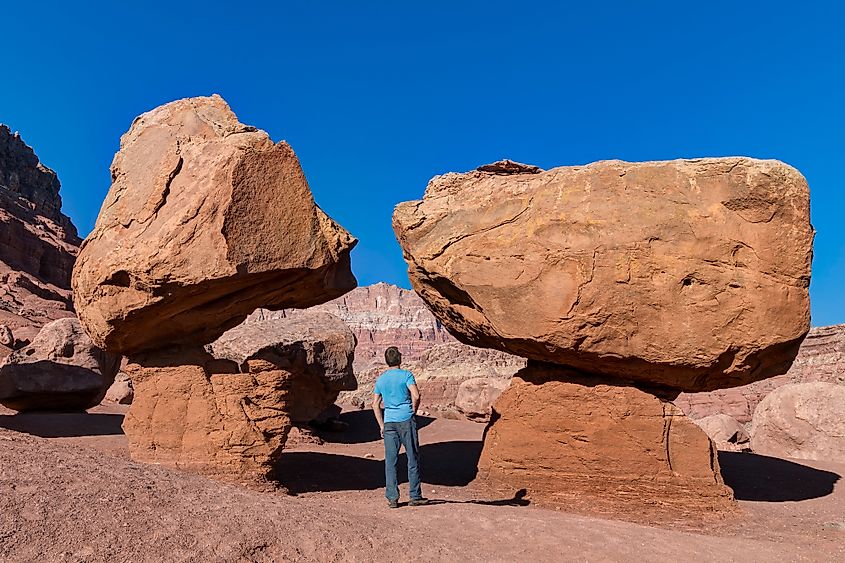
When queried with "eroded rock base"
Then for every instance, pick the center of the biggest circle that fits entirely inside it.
(571, 440)
(209, 416)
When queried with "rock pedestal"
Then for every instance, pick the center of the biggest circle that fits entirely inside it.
(626, 283)
(225, 410)
(206, 220)
(200, 414)
(567, 438)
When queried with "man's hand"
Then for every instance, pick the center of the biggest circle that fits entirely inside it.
(378, 413)
(415, 396)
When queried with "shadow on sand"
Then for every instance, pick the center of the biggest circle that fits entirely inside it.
(63, 424)
(362, 428)
(446, 463)
(770, 479)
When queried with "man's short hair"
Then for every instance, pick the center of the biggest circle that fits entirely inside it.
(393, 356)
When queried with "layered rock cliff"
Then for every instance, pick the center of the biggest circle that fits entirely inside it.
(38, 243)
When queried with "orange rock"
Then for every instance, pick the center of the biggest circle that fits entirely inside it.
(206, 219)
(199, 414)
(225, 410)
(569, 438)
(688, 274)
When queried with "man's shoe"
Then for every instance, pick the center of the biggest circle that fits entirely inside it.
(393, 504)
(422, 501)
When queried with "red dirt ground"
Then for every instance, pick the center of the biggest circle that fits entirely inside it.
(68, 492)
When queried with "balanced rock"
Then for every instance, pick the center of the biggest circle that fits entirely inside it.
(476, 396)
(226, 410)
(60, 370)
(687, 274)
(725, 431)
(206, 219)
(569, 438)
(801, 421)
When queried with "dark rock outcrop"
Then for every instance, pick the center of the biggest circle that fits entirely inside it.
(60, 370)
(38, 244)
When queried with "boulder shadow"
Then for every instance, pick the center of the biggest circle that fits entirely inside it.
(64, 424)
(446, 463)
(362, 427)
(770, 479)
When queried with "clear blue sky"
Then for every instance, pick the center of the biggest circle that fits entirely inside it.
(377, 97)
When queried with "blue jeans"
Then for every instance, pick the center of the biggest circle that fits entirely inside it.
(397, 434)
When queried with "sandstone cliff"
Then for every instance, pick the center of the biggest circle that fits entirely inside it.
(38, 243)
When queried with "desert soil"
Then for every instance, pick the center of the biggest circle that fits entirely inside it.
(69, 492)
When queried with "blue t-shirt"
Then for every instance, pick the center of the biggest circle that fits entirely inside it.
(393, 385)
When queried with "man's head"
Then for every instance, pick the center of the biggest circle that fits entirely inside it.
(393, 357)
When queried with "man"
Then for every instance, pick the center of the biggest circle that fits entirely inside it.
(396, 389)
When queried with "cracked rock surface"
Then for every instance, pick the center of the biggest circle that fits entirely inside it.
(690, 275)
(206, 219)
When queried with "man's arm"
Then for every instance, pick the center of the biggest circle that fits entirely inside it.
(378, 413)
(415, 396)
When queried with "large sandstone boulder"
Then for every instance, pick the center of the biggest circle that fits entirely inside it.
(801, 421)
(206, 219)
(569, 438)
(725, 431)
(226, 410)
(60, 370)
(687, 274)
(317, 347)
(476, 396)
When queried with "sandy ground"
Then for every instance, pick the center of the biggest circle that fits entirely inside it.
(68, 492)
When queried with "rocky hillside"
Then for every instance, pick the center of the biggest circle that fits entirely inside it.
(383, 315)
(38, 243)
(820, 358)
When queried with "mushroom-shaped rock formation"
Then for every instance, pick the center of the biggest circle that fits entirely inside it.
(60, 370)
(206, 220)
(688, 274)
(623, 284)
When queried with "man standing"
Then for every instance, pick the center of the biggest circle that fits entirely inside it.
(397, 390)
